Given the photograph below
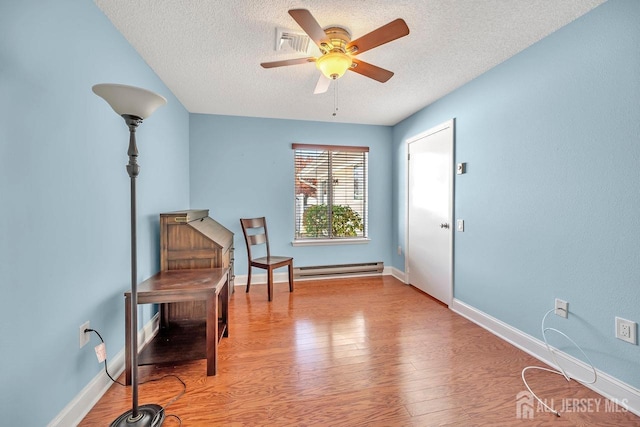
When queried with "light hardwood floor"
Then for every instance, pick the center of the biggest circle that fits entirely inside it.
(357, 352)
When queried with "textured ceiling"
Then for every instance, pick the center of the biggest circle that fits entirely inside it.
(208, 52)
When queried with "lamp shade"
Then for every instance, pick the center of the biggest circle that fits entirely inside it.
(129, 100)
(333, 64)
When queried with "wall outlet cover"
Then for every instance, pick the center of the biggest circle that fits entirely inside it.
(626, 330)
(84, 336)
(562, 308)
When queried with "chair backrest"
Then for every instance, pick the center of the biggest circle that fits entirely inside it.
(255, 233)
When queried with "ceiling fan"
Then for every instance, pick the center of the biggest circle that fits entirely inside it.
(338, 51)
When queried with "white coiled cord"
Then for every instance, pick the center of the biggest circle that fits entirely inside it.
(553, 356)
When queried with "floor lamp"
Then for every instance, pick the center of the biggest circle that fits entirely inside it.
(134, 105)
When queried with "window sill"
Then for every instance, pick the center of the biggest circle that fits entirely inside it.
(326, 242)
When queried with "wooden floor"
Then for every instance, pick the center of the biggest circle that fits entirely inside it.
(357, 352)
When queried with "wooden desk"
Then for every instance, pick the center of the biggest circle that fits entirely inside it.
(190, 340)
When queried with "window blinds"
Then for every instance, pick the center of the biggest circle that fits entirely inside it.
(330, 191)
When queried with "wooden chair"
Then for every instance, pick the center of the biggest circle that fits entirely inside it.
(255, 233)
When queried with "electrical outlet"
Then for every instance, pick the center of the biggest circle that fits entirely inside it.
(84, 336)
(399, 250)
(562, 308)
(626, 330)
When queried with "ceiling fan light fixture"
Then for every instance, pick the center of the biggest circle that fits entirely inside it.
(334, 64)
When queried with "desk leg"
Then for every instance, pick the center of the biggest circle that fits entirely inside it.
(127, 339)
(212, 334)
(224, 310)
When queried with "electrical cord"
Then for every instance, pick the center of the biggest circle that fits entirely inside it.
(163, 408)
(105, 359)
(178, 396)
(553, 356)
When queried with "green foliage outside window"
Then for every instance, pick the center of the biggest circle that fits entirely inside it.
(346, 221)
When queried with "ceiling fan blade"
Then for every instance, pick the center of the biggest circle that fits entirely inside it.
(308, 23)
(287, 62)
(389, 32)
(323, 85)
(371, 71)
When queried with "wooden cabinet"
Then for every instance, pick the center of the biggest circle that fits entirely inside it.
(190, 239)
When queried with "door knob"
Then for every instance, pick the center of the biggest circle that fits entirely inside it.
(444, 225)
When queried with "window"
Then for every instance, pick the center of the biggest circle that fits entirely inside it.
(330, 192)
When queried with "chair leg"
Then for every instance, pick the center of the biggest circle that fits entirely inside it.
(270, 283)
(291, 277)
(249, 278)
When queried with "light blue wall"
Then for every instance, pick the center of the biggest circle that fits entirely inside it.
(64, 198)
(551, 200)
(243, 167)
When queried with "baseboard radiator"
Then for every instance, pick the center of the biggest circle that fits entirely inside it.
(338, 270)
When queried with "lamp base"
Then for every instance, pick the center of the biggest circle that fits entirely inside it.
(148, 415)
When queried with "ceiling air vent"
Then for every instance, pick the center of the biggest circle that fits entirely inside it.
(287, 39)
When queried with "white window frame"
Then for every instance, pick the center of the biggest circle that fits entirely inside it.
(332, 177)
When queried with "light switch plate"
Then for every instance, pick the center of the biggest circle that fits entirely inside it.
(460, 225)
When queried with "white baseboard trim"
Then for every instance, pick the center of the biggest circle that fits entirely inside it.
(260, 279)
(400, 275)
(80, 406)
(606, 385)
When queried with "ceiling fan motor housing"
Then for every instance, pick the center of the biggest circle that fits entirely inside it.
(338, 38)
(335, 59)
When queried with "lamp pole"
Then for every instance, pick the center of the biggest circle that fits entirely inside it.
(133, 169)
(133, 105)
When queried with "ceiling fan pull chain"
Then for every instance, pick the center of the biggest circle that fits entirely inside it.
(335, 98)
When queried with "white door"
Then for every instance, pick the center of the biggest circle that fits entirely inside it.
(429, 253)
